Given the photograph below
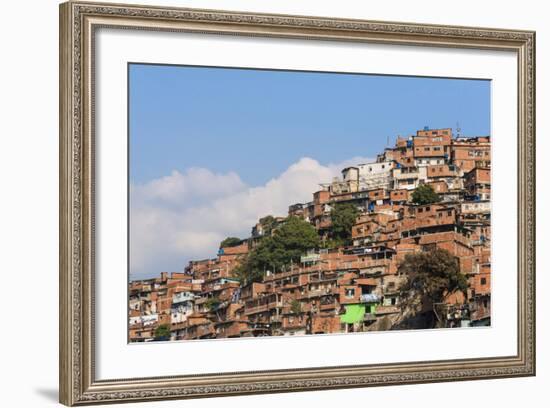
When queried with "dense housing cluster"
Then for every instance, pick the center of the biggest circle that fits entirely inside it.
(355, 286)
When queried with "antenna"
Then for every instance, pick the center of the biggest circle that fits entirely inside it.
(458, 129)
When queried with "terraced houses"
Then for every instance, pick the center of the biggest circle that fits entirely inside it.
(353, 287)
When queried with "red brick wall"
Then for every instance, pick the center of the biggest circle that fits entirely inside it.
(439, 186)
(378, 194)
(238, 249)
(325, 324)
(399, 195)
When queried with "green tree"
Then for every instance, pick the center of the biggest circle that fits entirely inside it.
(343, 217)
(230, 242)
(212, 303)
(268, 224)
(245, 274)
(295, 306)
(276, 252)
(162, 332)
(431, 275)
(425, 194)
(332, 243)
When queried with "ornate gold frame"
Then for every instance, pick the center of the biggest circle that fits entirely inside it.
(78, 21)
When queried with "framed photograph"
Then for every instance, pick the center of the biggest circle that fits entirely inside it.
(256, 203)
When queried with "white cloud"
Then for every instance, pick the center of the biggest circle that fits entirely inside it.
(184, 216)
(194, 185)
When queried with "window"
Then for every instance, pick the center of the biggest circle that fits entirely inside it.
(350, 292)
(483, 281)
(426, 149)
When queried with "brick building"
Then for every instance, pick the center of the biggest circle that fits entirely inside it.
(354, 287)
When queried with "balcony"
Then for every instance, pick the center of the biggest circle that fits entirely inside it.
(382, 310)
(314, 277)
(262, 308)
(316, 293)
(375, 267)
(281, 275)
(328, 306)
(404, 176)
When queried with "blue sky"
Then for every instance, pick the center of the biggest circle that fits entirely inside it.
(258, 122)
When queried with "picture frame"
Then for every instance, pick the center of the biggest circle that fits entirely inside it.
(79, 22)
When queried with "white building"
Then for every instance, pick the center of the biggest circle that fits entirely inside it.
(408, 178)
(182, 306)
(475, 207)
(429, 161)
(146, 320)
(369, 176)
